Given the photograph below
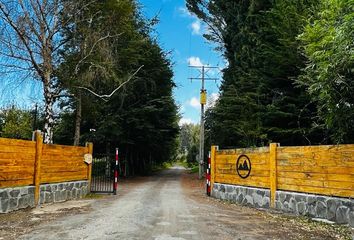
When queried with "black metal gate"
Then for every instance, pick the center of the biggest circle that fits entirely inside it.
(102, 180)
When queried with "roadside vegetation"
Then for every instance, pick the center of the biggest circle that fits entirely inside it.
(188, 148)
(289, 77)
(105, 78)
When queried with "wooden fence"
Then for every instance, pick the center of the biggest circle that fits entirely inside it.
(324, 170)
(24, 163)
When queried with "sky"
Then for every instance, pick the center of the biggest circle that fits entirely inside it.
(182, 33)
(179, 32)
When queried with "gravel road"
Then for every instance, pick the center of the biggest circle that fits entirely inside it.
(169, 206)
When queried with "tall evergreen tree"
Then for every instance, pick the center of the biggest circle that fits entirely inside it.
(259, 102)
(141, 119)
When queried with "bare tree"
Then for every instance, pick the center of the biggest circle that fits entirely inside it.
(33, 39)
(30, 41)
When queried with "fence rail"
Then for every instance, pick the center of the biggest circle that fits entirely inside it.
(24, 163)
(325, 170)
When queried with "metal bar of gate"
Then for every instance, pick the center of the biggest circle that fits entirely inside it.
(103, 174)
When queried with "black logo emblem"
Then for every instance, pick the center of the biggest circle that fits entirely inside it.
(243, 166)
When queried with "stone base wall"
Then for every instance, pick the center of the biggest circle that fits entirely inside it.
(16, 198)
(253, 197)
(339, 210)
(12, 199)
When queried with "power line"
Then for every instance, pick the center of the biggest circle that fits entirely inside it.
(203, 99)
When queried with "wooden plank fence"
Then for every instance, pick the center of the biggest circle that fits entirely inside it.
(25, 163)
(325, 170)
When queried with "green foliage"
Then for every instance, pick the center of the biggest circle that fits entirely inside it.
(259, 102)
(15, 123)
(328, 76)
(141, 118)
(189, 142)
(192, 155)
(189, 136)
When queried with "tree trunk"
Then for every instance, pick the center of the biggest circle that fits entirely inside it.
(49, 114)
(78, 119)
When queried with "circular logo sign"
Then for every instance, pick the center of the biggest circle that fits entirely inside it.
(243, 166)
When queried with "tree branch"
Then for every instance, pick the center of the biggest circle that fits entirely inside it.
(106, 97)
(92, 49)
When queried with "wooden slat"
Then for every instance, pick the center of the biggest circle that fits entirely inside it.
(57, 179)
(15, 164)
(16, 142)
(232, 172)
(317, 176)
(316, 183)
(318, 169)
(63, 150)
(16, 175)
(50, 154)
(17, 149)
(63, 160)
(64, 163)
(243, 151)
(16, 183)
(251, 180)
(64, 169)
(29, 155)
(317, 190)
(63, 175)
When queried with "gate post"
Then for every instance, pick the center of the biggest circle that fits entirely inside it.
(213, 166)
(37, 167)
(208, 175)
(89, 146)
(115, 184)
(273, 173)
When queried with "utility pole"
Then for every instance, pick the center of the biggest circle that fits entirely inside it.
(203, 100)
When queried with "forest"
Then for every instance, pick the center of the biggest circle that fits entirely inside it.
(105, 79)
(290, 73)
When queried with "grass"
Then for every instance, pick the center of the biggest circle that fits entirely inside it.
(165, 165)
(194, 169)
(93, 196)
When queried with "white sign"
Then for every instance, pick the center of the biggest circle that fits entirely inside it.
(88, 158)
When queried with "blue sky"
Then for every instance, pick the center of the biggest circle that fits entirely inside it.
(181, 32)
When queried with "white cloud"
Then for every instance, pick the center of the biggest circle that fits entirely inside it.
(195, 61)
(184, 12)
(196, 27)
(185, 121)
(194, 102)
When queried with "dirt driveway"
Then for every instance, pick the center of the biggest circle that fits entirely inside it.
(167, 206)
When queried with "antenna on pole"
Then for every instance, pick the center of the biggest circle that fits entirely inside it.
(203, 70)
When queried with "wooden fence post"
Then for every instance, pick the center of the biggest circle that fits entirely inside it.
(89, 168)
(212, 167)
(273, 172)
(37, 167)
